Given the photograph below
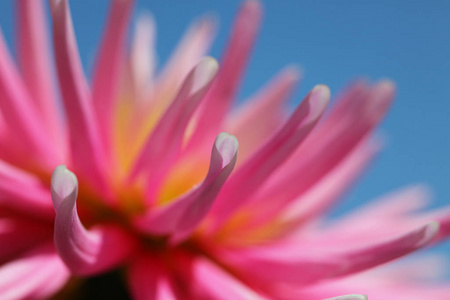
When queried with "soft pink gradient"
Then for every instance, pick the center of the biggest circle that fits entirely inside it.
(153, 175)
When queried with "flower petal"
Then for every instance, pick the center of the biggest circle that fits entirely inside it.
(143, 57)
(253, 172)
(21, 234)
(84, 252)
(23, 192)
(330, 144)
(18, 112)
(220, 97)
(165, 142)
(35, 63)
(109, 64)
(86, 147)
(305, 264)
(181, 216)
(192, 47)
(349, 297)
(261, 115)
(36, 275)
(148, 280)
(219, 285)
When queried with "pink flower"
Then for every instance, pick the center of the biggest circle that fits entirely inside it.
(162, 200)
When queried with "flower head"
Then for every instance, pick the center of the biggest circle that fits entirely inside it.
(151, 179)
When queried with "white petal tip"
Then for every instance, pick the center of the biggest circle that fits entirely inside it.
(204, 73)
(63, 183)
(429, 232)
(227, 145)
(319, 99)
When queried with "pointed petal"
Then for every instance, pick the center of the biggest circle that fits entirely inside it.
(84, 252)
(314, 159)
(181, 216)
(220, 97)
(36, 275)
(19, 113)
(253, 172)
(143, 56)
(86, 147)
(260, 116)
(220, 285)
(192, 47)
(109, 64)
(164, 144)
(329, 189)
(307, 264)
(35, 63)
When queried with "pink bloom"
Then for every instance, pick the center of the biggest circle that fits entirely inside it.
(159, 197)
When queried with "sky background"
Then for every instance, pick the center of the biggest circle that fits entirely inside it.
(333, 42)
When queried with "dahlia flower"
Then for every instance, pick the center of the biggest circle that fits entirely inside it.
(135, 188)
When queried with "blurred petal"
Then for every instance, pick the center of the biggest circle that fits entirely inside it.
(36, 275)
(349, 297)
(261, 115)
(220, 97)
(253, 172)
(148, 280)
(35, 62)
(88, 155)
(109, 64)
(164, 144)
(220, 285)
(19, 113)
(306, 264)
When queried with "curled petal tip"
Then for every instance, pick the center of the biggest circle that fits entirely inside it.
(63, 184)
(227, 145)
(204, 73)
(429, 232)
(319, 99)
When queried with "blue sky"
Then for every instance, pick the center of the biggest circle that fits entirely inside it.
(333, 42)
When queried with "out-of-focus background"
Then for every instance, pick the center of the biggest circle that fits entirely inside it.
(333, 42)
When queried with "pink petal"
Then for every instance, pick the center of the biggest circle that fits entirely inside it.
(143, 56)
(253, 172)
(325, 149)
(109, 65)
(35, 62)
(305, 264)
(310, 205)
(228, 80)
(148, 280)
(324, 193)
(220, 285)
(165, 142)
(182, 216)
(349, 297)
(20, 234)
(36, 275)
(86, 148)
(18, 112)
(84, 252)
(192, 47)
(260, 116)
(23, 192)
